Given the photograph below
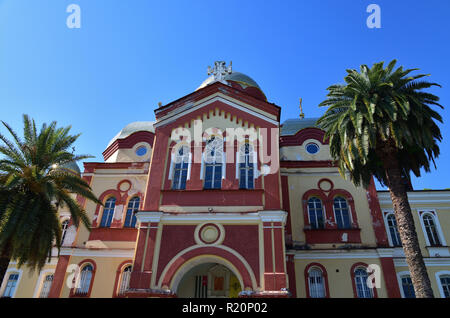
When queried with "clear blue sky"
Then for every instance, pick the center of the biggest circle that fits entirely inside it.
(129, 55)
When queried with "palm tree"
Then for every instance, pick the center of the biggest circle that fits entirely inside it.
(32, 189)
(380, 124)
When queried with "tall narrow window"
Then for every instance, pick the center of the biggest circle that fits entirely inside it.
(407, 286)
(46, 285)
(213, 158)
(246, 167)
(393, 230)
(315, 212)
(64, 227)
(108, 212)
(316, 283)
(11, 285)
(180, 168)
(430, 229)
(362, 290)
(341, 211)
(85, 281)
(130, 218)
(445, 283)
(125, 280)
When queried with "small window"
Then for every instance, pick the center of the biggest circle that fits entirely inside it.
(315, 212)
(393, 230)
(430, 229)
(408, 288)
(124, 280)
(108, 212)
(316, 283)
(46, 285)
(180, 168)
(312, 148)
(141, 151)
(362, 290)
(64, 227)
(11, 285)
(130, 218)
(213, 158)
(445, 284)
(85, 281)
(342, 213)
(246, 167)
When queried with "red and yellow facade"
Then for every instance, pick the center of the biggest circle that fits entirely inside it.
(231, 241)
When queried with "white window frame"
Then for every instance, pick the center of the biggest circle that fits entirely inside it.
(372, 292)
(438, 280)
(323, 282)
(223, 162)
(349, 211)
(40, 281)
(122, 271)
(173, 156)
(421, 212)
(323, 212)
(400, 275)
(64, 231)
(8, 272)
(79, 277)
(254, 156)
(386, 213)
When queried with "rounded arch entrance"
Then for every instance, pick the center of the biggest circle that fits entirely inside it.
(185, 261)
(207, 276)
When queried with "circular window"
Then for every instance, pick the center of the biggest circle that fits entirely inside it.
(141, 151)
(312, 148)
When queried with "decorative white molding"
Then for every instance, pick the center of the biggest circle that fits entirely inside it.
(128, 253)
(273, 216)
(435, 261)
(149, 216)
(218, 97)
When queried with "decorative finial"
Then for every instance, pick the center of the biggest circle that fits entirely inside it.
(159, 104)
(302, 115)
(220, 70)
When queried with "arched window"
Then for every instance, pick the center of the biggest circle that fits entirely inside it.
(430, 229)
(445, 285)
(46, 285)
(316, 283)
(361, 277)
(315, 212)
(407, 287)
(180, 168)
(108, 212)
(130, 218)
(124, 280)
(11, 285)
(342, 213)
(393, 230)
(84, 281)
(64, 227)
(246, 167)
(213, 160)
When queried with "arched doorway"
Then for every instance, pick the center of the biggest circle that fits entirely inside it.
(209, 280)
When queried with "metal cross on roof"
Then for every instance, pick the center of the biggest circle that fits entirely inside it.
(219, 71)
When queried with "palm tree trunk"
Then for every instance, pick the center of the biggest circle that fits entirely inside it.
(406, 228)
